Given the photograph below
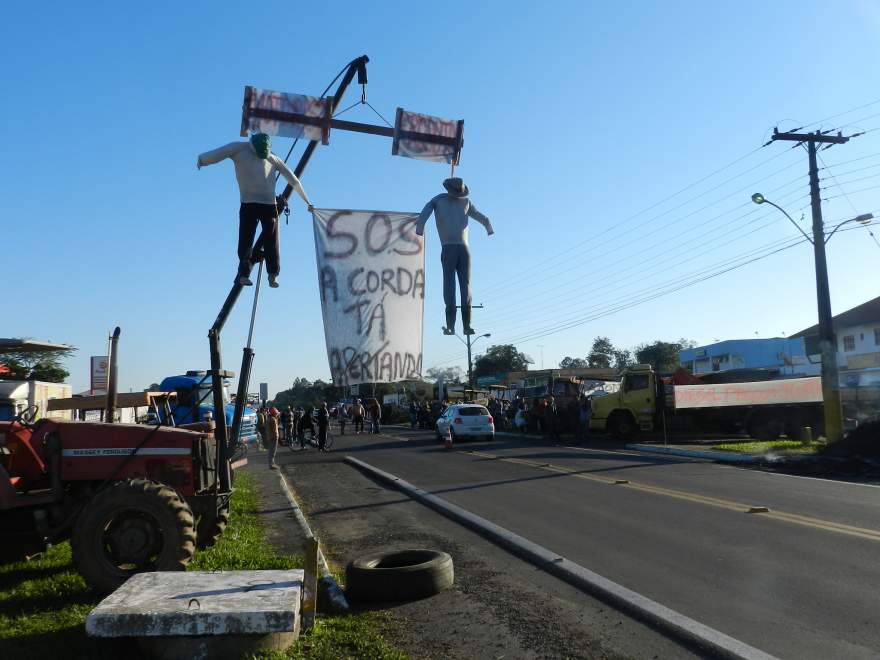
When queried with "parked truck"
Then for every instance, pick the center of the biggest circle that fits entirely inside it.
(17, 396)
(194, 403)
(763, 409)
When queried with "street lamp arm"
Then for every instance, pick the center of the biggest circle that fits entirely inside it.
(785, 213)
(864, 219)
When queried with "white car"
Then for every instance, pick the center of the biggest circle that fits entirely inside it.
(467, 420)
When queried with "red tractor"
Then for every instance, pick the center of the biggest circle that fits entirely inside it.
(130, 497)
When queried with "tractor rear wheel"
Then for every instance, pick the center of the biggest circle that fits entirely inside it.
(132, 527)
(210, 527)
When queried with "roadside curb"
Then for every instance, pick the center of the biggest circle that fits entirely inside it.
(720, 456)
(335, 596)
(669, 621)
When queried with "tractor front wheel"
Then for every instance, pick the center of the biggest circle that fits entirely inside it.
(132, 527)
(210, 527)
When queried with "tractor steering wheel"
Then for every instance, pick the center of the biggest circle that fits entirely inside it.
(27, 416)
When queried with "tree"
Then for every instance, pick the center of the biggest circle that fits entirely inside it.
(622, 358)
(601, 354)
(449, 374)
(501, 358)
(45, 365)
(573, 363)
(662, 355)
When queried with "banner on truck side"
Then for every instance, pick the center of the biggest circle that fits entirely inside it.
(371, 276)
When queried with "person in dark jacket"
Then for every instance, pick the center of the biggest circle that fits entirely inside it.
(305, 423)
(551, 421)
(287, 426)
(323, 426)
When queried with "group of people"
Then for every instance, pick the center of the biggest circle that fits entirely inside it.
(358, 413)
(423, 415)
(550, 419)
(285, 427)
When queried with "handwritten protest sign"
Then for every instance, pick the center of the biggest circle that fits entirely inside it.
(371, 275)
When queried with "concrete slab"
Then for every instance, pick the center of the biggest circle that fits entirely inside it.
(165, 604)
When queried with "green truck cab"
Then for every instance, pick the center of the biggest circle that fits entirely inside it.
(632, 408)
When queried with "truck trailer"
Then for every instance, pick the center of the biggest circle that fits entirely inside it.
(17, 396)
(764, 409)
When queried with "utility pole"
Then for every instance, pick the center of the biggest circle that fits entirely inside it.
(469, 342)
(827, 340)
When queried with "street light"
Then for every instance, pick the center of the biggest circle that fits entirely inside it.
(827, 342)
(758, 198)
(470, 342)
(864, 219)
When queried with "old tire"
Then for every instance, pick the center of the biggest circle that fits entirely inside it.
(210, 527)
(621, 425)
(398, 576)
(132, 527)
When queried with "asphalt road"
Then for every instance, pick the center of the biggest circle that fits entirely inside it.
(800, 580)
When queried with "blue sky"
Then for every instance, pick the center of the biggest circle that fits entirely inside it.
(582, 121)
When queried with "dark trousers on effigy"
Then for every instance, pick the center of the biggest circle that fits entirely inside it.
(456, 261)
(249, 216)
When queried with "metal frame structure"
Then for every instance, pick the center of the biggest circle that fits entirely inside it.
(227, 438)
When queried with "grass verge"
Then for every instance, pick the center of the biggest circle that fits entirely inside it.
(779, 446)
(44, 602)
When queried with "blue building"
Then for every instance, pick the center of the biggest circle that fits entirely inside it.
(787, 355)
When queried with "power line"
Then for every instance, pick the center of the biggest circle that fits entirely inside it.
(674, 280)
(685, 281)
(538, 334)
(590, 286)
(594, 246)
(612, 227)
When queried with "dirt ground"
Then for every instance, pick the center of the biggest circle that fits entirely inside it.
(499, 606)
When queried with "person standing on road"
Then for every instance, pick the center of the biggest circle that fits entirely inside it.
(305, 422)
(342, 416)
(255, 171)
(520, 419)
(375, 417)
(261, 425)
(272, 436)
(358, 412)
(323, 426)
(413, 413)
(586, 413)
(551, 421)
(287, 426)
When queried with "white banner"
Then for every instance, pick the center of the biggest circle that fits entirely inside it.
(418, 123)
(280, 104)
(371, 274)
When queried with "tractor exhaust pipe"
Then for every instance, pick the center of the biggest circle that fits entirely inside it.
(110, 408)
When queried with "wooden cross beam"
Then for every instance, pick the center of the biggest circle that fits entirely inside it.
(326, 122)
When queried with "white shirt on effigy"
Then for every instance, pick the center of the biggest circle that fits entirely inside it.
(255, 175)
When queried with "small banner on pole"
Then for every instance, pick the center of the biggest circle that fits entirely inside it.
(371, 275)
(415, 136)
(277, 113)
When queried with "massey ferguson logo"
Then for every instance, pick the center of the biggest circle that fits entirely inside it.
(127, 451)
(98, 452)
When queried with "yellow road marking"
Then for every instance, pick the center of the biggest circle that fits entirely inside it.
(792, 518)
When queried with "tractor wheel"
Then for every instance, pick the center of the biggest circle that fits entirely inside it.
(132, 527)
(210, 527)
